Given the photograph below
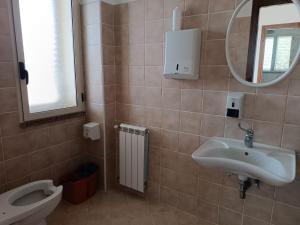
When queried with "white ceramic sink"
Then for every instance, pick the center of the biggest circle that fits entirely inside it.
(272, 165)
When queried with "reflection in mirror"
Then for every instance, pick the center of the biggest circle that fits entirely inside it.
(279, 44)
(264, 39)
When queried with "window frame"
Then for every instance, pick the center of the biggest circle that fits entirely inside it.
(25, 115)
(262, 43)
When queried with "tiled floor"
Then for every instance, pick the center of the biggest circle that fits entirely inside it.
(119, 208)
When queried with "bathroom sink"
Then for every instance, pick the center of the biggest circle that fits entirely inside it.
(272, 165)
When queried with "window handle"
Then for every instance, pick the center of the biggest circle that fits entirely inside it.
(23, 72)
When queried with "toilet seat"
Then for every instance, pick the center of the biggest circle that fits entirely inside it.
(10, 213)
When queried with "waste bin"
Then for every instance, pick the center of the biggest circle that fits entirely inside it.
(81, 184)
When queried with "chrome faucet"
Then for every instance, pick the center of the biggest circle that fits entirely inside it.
(248, 141)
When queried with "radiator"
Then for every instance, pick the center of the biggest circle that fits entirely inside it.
(133, 156)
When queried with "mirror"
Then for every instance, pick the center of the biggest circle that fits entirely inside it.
(263, 41)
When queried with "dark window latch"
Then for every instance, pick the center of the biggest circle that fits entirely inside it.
(23, 72)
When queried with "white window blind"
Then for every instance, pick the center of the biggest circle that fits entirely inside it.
(283, 53)
(46, 45)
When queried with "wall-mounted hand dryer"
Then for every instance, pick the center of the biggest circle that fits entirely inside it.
(182, 54)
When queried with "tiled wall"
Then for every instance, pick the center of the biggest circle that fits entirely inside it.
(43, 150)
(98, 38)
(183, 114)
(91, 26)
(109, 75)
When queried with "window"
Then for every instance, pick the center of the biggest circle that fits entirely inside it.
(47, 41)
(277, 54)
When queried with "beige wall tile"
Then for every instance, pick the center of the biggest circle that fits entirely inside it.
(153, 117)
(280, 88)
(215, 53)
(168, 178)
(107, 34)
(253, 221)
(170, 140)
(155, 31)
(227, 217)
(7, 75)
(107, 13)
(136, 55)
(24, 143)
(190, 122)
(171, 98)
(171, 120)
(12, 173)
(186, 165)
(121, 14)
(187, 184)
(169, 196)
(137, 75)
(212, 126)
(153, 97)
(188, 203)
(136, 95)
(3, 4)
(5, 48)
(210, 175)
(154, 54)
(269, 108)
(207, 211)
(221, 5)
(155, 9)
(136, 34)
(284, 214)
(121, 35)
(290, 137)
(259, 208)
(191, 100)
(8, 100)
(214, 103)
(218, 24)
(188, 143)
(4, 21)
(264, 190)
(292, 111)
(289, 194)
(136, 11)
(294, 88)
(208, 191)
(194, 7)
(268, 133)
(153, 76)
(169, 159)
(193, 22)
(230, 198)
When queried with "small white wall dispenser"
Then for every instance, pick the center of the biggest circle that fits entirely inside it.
(92, 131)
(234, 106)
(182, 51)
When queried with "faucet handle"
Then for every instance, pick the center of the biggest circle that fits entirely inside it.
(248, 131)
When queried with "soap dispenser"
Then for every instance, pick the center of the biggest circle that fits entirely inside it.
(234, 106)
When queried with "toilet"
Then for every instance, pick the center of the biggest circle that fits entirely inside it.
(29, 204)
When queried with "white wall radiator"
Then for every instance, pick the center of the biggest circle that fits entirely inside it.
(133, 156)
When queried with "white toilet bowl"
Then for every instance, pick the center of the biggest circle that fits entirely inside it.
(29, 204)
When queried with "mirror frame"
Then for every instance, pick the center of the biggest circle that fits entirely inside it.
(231, 66)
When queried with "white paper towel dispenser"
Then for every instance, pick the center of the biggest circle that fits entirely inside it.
(182, 54)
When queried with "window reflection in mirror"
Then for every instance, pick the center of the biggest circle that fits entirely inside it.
(279, 44)
(264, 39)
